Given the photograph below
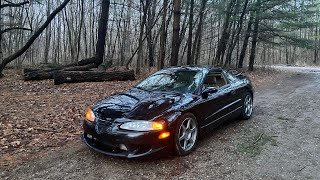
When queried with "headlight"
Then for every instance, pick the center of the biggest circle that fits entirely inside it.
(143, 126)
(90, 115)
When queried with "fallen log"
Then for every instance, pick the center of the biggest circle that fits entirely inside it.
(28, 70)
(42, 74)
(61, 77)
(49, 69)
(83, 62)
(46, 71)
(80, 68)
(39, 75)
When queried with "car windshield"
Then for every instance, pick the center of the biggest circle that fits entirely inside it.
(181, 81)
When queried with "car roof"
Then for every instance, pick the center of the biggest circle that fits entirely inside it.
(192, 68)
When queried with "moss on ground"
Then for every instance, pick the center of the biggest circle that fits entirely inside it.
(253, 146)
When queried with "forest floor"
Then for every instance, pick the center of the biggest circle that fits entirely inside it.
(40, 125)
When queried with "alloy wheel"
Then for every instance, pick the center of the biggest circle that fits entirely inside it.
(188, 133)
(248, 105)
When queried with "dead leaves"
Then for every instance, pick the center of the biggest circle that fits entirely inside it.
(260, 77)
(39, 116)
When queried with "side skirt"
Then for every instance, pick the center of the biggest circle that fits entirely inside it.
(230, 113)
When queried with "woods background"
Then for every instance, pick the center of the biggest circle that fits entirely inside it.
(158, 33)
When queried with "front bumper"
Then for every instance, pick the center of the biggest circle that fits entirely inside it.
(116, 142)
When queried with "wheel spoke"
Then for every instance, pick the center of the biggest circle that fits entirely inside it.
(188, 124)
(193, 130)
(191, 141)
(185, 144)
(182, 132)
(182, 137)
(183, 128)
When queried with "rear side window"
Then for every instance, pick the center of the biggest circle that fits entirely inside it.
(215, 79)
(230, 77)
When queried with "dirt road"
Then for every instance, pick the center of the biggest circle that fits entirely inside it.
(281, 141)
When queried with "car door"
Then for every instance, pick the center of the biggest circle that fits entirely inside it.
(233, 96)
(215, 106)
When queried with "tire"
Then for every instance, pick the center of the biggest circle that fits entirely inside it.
(186, 135)
(247, 106)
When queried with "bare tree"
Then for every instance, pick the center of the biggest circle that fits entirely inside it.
(145, 7)
(197, 42)
(48, 35)
(245, 42)
(163, 35)
(189, 60)
(102, 31)
(176, 30)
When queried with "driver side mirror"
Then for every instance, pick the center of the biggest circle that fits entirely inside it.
(207, 91)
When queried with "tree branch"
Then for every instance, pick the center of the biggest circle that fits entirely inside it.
(32, 38)
(10, 4)
(14, 28)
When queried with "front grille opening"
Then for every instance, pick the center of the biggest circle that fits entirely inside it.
(119, 148)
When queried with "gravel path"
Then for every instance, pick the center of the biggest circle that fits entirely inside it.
(281, 141)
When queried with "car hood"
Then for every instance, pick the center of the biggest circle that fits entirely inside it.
(139, 104)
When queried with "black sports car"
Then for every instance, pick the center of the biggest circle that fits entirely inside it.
(167, 110)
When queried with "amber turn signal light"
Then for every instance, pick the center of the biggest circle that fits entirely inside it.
(157, 126)
(90, 115)
(164, 135)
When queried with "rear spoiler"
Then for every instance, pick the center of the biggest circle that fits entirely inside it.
(237, 73)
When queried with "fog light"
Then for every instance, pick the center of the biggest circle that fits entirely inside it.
(123, 147)
(164, 135)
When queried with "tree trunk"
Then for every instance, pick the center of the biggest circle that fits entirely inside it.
(80, 31)
(149, 25)
(225, 35)
(141, 39)
(197, 42)
(315, 59)
(230, 47)
(245, 42)
(176, 30)
(163, 36)
(61, 77)
(239, 29)
(183, 26)
(48, 35)
(69, 32)
(32, 38)
(255, 35)
(102, 31)
(189, 51)
(126, 35)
